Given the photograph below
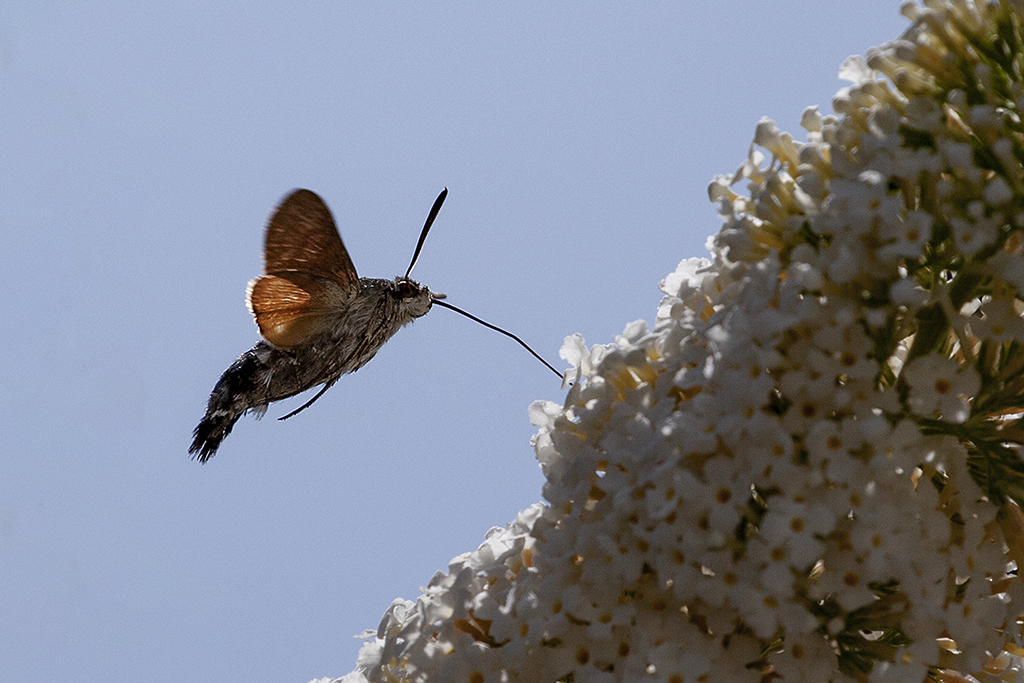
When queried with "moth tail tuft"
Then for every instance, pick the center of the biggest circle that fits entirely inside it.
(210, 431)
(237, 391)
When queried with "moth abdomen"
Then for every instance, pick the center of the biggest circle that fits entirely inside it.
(231, 397)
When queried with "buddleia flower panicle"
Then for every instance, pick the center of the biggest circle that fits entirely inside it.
(809, 465)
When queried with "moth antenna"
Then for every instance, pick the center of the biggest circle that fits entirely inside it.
(498, 329)
(426, 228)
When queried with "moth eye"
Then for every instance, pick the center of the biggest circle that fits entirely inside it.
(405, 290)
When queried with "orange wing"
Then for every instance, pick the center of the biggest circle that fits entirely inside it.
(309, 277)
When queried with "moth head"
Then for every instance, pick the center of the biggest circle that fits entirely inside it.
(413, 298)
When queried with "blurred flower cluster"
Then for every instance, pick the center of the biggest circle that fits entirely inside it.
(810, 467)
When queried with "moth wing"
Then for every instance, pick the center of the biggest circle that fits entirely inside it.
(302, 238)
(309, 276)
(289, 309)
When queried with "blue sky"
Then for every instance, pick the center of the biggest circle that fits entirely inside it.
(143, 146)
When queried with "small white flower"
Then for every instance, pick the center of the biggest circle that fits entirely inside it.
(1009, 267)
(767, 135)
(811, 120)
(806, 658)
(856, 70)
(686, 277)
(1001, 323)
(906, 237)
(972, 235)
(938, 385)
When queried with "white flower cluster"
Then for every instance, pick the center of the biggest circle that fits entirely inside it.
(810, 467)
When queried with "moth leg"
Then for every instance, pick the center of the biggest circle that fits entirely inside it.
(327, 385)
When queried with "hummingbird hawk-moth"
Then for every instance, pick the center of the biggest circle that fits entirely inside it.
(319, 320)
